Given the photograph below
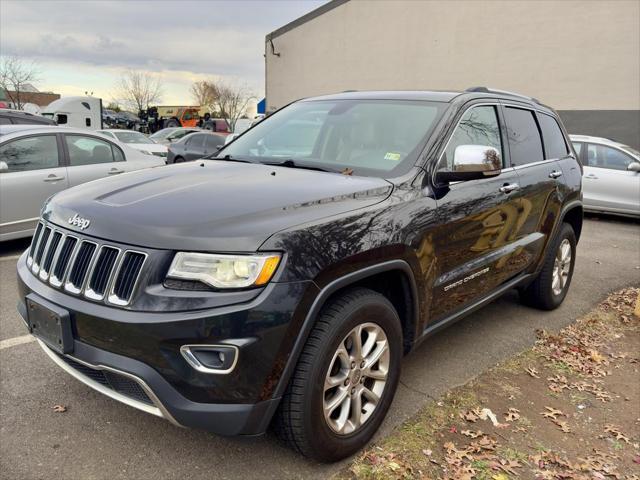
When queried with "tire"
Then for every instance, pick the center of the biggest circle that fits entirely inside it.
(178, 160)
(542, 293)
(171, 123)
(301, 420)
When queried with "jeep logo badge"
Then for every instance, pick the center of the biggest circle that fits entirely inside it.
(79, 222)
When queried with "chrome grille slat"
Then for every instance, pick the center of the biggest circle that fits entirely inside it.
(42, 245)
(99, 272)
(34, 244)
(80, 267)
(126, 277)
(50, 252)
(62, 261)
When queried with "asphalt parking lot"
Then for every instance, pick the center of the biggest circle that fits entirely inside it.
(98, 438)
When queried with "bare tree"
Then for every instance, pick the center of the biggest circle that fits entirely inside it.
(203, 94)
(231, 101)
(15, 75)
(137, 90)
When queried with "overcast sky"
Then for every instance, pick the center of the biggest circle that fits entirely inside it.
(86, 45)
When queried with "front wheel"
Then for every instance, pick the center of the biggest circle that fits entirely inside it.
(550, 288)
(345, 379)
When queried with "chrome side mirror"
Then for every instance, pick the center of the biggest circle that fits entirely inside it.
(4, 167)
(632, 167)
(471, 162)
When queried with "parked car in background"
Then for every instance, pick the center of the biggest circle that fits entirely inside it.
(194, 146)
(129, 120)
(169, 135)
(217, 125)
(109, 118)
(38, 161)
(19, 117)
(611, 179)
(136, 140)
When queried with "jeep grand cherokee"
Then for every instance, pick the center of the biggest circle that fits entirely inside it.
(281, 281)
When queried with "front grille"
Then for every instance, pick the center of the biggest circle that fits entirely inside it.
(114, 381)
(84, 267)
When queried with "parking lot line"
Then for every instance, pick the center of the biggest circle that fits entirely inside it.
(12, 342)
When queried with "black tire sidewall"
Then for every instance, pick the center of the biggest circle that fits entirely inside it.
(326, 444)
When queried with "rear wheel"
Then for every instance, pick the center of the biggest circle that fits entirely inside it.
(171, 123)
(178, 160)
(345, 379)
(550, 288)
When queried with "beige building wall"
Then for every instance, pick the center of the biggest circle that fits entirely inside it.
(572, 55)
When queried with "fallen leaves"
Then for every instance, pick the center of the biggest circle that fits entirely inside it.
(616, 433)
(59, 408)
(512, 415)
(532, 371)
(552, 413)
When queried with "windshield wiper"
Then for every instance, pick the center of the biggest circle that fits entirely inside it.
(291, 164)
(229, 158)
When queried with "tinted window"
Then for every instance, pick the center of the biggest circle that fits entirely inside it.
(87, 150)
(525, 144)
(607, 157)
(32, 153)
(554, 142)
(5, 121)
(478, 126)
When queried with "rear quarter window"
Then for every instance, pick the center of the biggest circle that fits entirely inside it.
(554, 143)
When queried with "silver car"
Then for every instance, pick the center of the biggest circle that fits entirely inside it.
(611, 178)
(37, 161)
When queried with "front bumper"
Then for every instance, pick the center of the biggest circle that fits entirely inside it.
(134, 357)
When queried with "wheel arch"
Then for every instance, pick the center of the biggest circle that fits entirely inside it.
(573, 215)
(403, 295)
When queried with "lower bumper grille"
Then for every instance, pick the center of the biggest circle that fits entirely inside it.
(114, 381)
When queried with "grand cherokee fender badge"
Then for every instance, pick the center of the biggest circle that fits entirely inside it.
(466, 279)
(79, 222)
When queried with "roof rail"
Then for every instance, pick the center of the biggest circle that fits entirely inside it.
(501, 92)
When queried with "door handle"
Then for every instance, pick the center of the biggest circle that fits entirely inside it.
(53, 178)
(555, 174)
(114, 171)
(591, 176)
(510, 187)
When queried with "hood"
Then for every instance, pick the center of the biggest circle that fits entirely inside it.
(210, 205)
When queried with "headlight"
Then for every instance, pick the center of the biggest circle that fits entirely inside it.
(224, 271)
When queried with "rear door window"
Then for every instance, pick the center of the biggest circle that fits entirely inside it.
(554, 142)
(196, 142)
(31, 153)
(525, 144)
(84, 150)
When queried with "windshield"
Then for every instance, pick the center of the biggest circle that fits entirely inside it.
(164, 133)
(132, 137)
(370, 137)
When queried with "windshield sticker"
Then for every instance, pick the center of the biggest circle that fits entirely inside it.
(392, 156)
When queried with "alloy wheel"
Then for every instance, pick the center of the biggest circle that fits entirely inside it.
(356, 378)
(561, 267)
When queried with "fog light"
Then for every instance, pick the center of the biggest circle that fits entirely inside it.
(217, 359)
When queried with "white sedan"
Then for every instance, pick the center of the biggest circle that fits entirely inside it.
(136, 140)
(38, 161)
